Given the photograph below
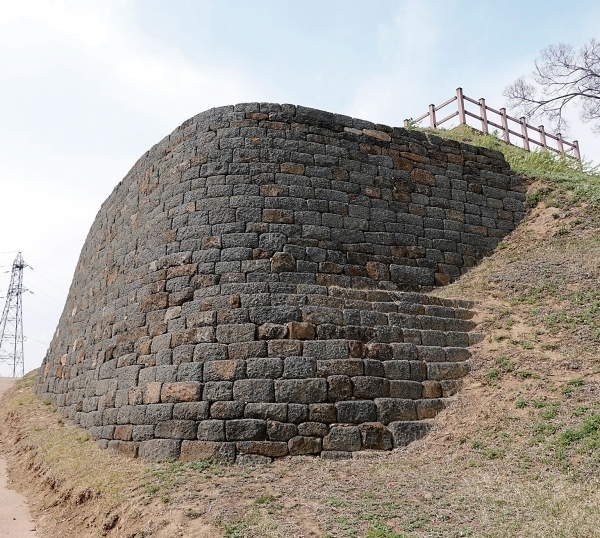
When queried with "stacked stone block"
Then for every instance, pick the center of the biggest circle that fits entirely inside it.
(245, 292)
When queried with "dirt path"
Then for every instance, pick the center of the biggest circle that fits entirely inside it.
(15, 520)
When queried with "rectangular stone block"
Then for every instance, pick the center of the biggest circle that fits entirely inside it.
(254, 390)
(410, 390)
(158, 412)
(347, 367)
(343, 438)
(142, 433)
(264, 368)
(211, 430)
(176, 429)
(247, 429)
(240, 332)
(299, 367)
(367, 387)
(281, 431)
(266, 411)
(272, 449)
(456, 354)
(229, 370)
(300, 445)
(183, 391)
(160, 449)
(226, 410)
(202, 450)
(284, 348)
(404, 351)
(247, 350)
(322, 412)
(190, 371)
(301, 390)
(326, 349)
(218, 390)
(191, 411)
(397, 369)
(447, 370)
(356, 411)
(210, 352)
(395, 409)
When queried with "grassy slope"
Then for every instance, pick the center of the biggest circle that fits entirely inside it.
(518, 454)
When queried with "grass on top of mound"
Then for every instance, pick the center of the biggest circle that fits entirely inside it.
(580, 179)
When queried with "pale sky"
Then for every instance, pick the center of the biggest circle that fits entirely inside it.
(87, 87)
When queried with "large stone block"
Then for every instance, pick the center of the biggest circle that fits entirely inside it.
(301, 390)
(247, 429)
(201, 450)
(395, 409)
(343, 438)
(160, 449)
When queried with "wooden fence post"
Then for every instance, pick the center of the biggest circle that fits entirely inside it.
(483, 113)
(524, 133)
(561, 148)
(576, 148)
(432, 122)
(543, 137)
(504, 119)
(462, 118)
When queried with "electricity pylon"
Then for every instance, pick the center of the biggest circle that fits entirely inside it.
(11, 324)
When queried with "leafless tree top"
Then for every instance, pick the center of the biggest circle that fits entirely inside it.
(562, 75)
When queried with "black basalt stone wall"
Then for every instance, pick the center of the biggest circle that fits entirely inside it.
(248, 290)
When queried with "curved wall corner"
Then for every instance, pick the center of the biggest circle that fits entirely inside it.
(249, 289)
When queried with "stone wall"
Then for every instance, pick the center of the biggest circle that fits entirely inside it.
(248, 289)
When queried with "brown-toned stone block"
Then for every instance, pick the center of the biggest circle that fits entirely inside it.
(152, 393)
(200, 450)
(431, 389)
(183, 391)
(301, 330)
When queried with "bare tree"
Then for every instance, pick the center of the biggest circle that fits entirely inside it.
(562, 75)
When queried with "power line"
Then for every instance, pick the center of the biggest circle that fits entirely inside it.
(42, 276)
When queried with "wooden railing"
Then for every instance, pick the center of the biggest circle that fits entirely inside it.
(562, 146)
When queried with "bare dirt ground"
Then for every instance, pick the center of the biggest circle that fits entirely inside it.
(517, 454)
(15, 520)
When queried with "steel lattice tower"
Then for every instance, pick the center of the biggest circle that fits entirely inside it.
(11, 324)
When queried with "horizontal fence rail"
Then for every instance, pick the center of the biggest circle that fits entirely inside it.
(541, 139)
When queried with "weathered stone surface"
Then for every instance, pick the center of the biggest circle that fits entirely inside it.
(160, 449)
(301, 390)
(183, 391)
(266, 411)
(356, 411)
(191, 411)
(247, 429)
(211, 430)
(431, 389)
(176, 429)
(395, 409)
(304, 445)
(344, 438)
(281, 431)
(375, 436)
(200, 450)
(405, 432)
(272, 449)
(276, 282)
(254, 390)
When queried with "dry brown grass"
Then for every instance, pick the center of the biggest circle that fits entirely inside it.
(511, 456)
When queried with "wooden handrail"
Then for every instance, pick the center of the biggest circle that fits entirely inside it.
(524, 127)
